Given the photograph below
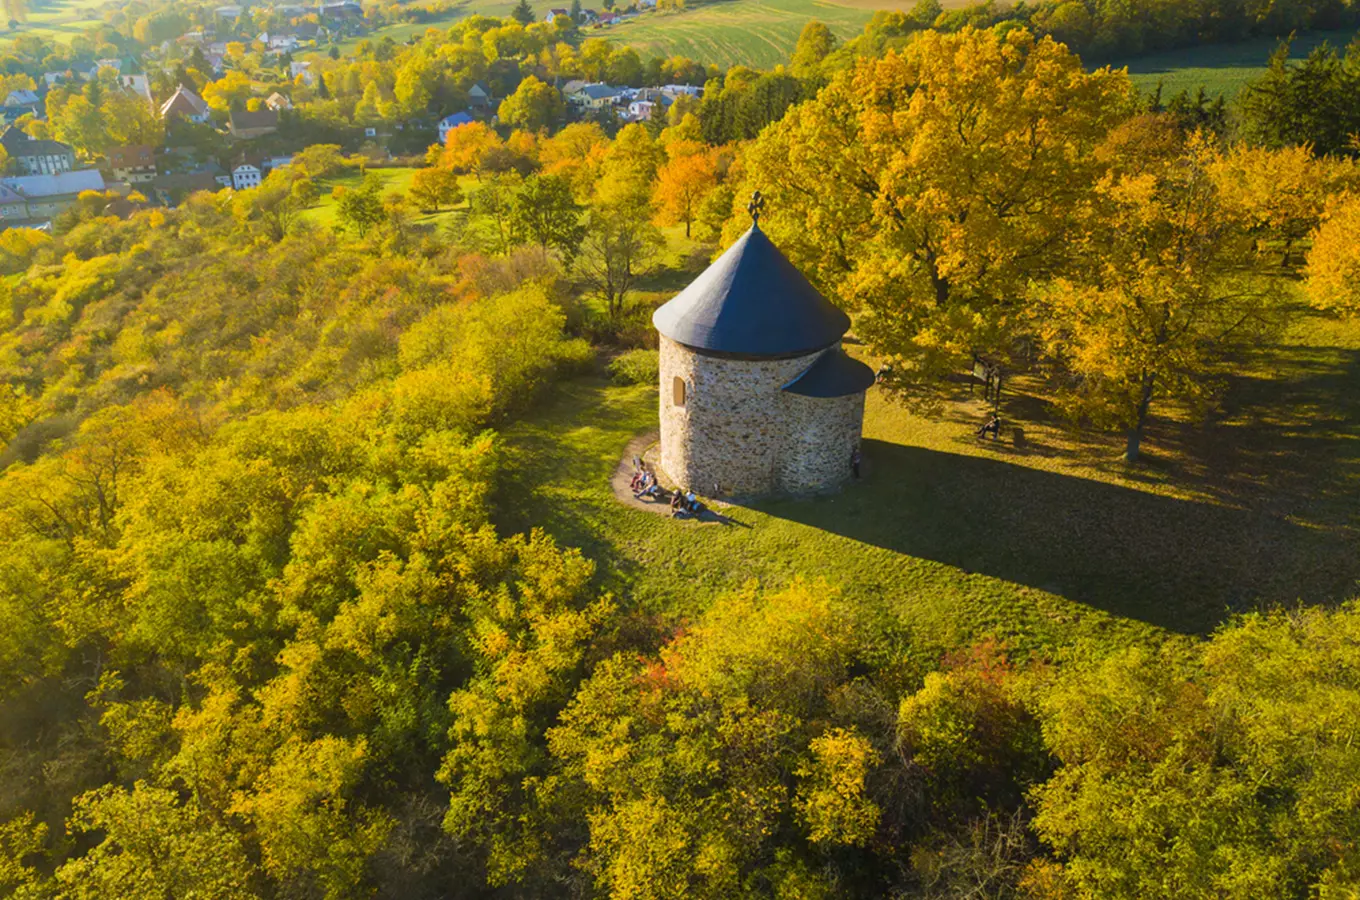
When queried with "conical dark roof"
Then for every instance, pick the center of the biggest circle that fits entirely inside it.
(752, 301)
(834, 374)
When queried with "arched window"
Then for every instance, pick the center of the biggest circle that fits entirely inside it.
(678, 387)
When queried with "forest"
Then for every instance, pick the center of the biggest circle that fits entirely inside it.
(275, 628)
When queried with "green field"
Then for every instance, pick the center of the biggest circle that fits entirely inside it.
(1222, 69)
(58, 20)
(395, 181)
(759, 33)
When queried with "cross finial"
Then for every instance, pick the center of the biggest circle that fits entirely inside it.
(755, 207)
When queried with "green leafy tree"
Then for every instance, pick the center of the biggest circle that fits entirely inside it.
(361, 208)
(544, 212)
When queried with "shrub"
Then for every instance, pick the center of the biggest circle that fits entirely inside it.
(636, 367)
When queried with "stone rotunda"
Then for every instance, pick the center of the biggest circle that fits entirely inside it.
(757, 396)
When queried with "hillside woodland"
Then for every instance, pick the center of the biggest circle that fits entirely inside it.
(267, 635)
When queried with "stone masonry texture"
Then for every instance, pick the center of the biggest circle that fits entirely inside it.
(739, 434)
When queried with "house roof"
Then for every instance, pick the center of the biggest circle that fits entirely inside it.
(599, 91)
(453, 120)
(184, 102)
(834, 374)
(21, 98)
(17, 143)
(74, 182)
(132, 155)
(752, 302)
(260, 118)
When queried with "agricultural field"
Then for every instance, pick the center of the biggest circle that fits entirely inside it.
(58, 20)
(759, 33)
(1221, 69)
(1051, 545)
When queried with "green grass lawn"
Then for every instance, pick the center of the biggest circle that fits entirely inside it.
(758, 33)
(1221, 69)
(1058, 547)
(58, 20)
(395, 180)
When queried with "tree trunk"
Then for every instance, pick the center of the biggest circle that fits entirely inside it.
(1135, 438)
(687, 229)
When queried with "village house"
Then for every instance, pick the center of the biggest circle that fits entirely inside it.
(303, 69)
(245, 176)
(596, 96)
(450, 122)
(22, 103)
(138, 84)
(479, 96)
(187, 105)
(135, 164)
(37, 157)
(277, 101)
(554, 14)
(246, 125)
(46, 195)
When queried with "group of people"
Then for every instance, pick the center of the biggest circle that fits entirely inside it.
(644, 484)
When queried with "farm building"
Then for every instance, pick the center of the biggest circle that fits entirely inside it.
(756, 394)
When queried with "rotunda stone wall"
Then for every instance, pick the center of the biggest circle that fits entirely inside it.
(732, 430)
(824, 433)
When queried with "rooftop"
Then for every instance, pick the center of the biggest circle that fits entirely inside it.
(752, 302)
(834, 374)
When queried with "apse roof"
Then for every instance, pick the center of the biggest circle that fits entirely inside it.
(752, 301)
(834, 374)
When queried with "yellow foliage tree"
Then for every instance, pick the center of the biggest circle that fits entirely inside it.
(1333, 269)
(930, 186)
(680, 186)
(466, 145)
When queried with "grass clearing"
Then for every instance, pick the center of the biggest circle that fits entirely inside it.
(396, 180)
(1058, 547)
(1221, 68)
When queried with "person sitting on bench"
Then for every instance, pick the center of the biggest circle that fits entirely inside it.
(647, 487)
(993, 425)
(692, 504)
(677, 503)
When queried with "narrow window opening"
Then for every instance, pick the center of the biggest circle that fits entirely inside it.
(679, 389)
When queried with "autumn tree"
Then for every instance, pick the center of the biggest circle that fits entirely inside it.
(680, 186)
(928, 188)
(815, 44)
(1333, 268)
(533, 105)
(1170, 283)
(466, 145)
(435, 186)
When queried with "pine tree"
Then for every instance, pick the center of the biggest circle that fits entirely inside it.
(523, 13)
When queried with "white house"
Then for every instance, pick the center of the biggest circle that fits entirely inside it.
(137, 84)
(277, 101)
(448, 123)
(245, 176)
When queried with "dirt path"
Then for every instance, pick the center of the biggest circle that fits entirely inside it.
(645, 447)
(623, 474)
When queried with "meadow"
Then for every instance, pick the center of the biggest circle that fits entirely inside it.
(58, 20)
(1220, 69)
(1056, 546)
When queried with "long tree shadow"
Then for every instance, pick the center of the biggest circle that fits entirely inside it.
(1174, 563)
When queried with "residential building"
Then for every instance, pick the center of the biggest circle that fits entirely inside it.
(46, 195)
(246, 125)
(13, 205)
(554, 14)
(277, 102)
(245, 176)
(302, 68)
(595, 96)
(479, 96)
(137, 84)
(37, 157)
(135, 164)
(448, 123)
(277, 162)
(21, 103)
(187, 105)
